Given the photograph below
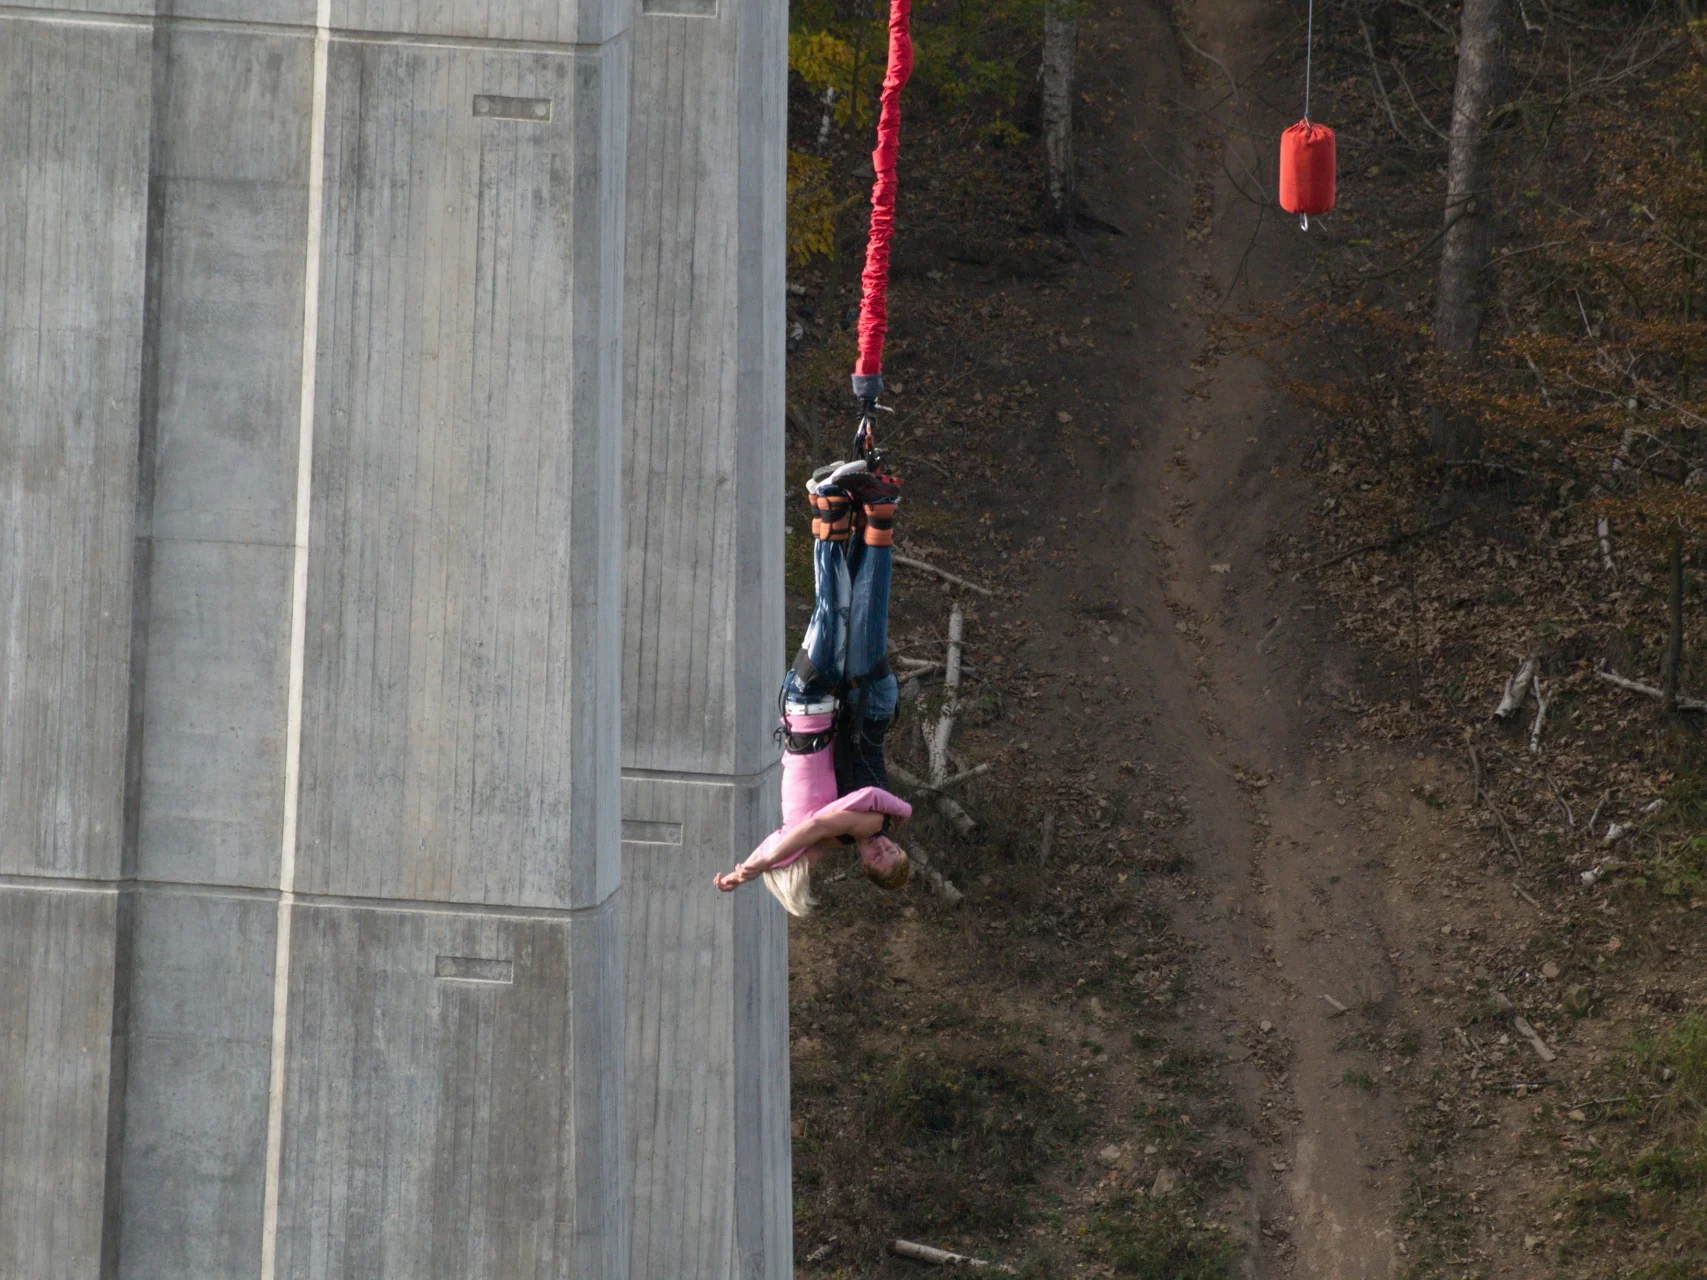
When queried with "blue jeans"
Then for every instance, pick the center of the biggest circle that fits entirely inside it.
(849, 630)
(868, 628)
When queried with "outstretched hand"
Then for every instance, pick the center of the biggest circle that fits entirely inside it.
(729, 881)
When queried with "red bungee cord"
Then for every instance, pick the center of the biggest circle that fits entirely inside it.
(874, 300)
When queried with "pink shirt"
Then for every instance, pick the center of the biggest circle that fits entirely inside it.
(809, 790)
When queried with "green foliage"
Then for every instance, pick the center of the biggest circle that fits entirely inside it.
(1650, 1178)
(1681, 1052)
(1681, 871)
(847, 60)
(973, 1129)
(1002, 133)
(812, 209)
(968, 56)
(1156, 1238)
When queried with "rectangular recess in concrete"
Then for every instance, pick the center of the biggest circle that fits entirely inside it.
(680, 8)
(495, 106)
(635, 831)
(474, 969)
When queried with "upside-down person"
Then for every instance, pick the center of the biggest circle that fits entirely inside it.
(837, 701)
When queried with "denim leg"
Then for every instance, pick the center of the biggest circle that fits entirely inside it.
(868, 627)
(826, 642)
(859, 754)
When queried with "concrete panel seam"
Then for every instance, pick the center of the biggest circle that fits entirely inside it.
(298, 639)
(70, 18)
(703, 779)
(90, 18)
(247, 893)
(180, 540)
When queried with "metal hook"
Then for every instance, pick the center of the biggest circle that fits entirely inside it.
(1303, 222)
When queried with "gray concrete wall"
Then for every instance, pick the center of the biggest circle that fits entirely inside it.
(703, 645)
(310, 948)
(71, 353)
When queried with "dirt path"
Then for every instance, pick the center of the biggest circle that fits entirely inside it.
(1171, 495)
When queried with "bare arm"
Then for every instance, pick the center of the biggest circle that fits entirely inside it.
(801, 837)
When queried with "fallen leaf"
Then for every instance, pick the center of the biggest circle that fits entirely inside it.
(1220, 568)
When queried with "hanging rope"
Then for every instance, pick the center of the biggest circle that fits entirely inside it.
(1309, 46)
(874, 299)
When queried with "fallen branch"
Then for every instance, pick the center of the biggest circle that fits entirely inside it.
(1046, 841)
(1570, 818)
(944, 727)
(937, 736)
(1528, 897)
(1595, 874)
(1593, 817)
(938, 882)
(1521, 1023)
(963, 822)
(1338, 1007)
(965, 775)
(1506, 831)
(1382, 544)
(1635, 686)
(1209, 57)
(944, 574)
(1541, 705)
(1476, 790)
(942, 1257)
(1516, 691)
(1604, 529)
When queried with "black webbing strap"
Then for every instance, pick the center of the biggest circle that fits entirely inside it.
(805, 670)
(870, 677)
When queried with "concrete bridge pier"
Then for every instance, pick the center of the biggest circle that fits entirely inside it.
(310, 935)
(707, 975)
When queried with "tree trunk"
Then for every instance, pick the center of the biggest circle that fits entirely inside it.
(1060, 38)
(1674, 648)
(1464, 246)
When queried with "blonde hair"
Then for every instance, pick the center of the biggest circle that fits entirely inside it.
(898, 875)
(792, 886)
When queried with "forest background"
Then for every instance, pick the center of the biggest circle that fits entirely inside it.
(1497, 340)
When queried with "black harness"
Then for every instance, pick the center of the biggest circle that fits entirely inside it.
(850, 694)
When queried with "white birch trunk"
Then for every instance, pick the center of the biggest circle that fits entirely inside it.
(1469, 227)
(1060, 41)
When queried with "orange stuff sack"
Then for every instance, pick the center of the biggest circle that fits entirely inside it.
(1307, 168)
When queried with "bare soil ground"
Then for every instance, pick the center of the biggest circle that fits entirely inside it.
(1237, 1022)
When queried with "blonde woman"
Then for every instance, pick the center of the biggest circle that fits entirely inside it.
(837, 700)
(863, 819)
